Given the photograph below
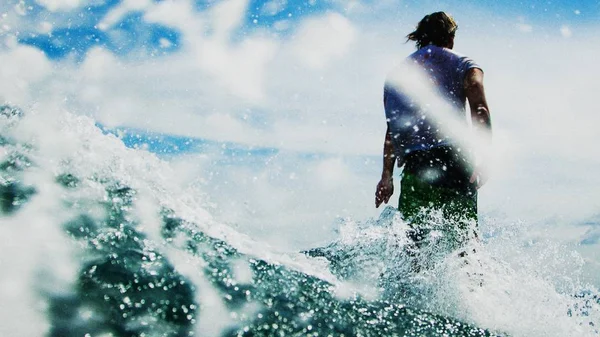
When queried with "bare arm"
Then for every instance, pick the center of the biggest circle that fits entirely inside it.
(385, 188)
(389, 157)
(480, 117)
(480, 112)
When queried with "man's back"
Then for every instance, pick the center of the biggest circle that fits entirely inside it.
(447, 70)
(411, 127)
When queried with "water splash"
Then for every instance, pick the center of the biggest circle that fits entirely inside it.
(114, 248)
(506, 281)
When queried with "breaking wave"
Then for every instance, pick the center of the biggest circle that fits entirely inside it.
(97, 240)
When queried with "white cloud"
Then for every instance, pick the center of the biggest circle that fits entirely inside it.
(178, 14)
(566, 31)
(165, 43)
(281, 25)
(525, 28)
(323, 40)
(228, 15)
(223, 124)
(45, 27)
(98, 63)
(273, 7)
(60, 5)
(118, 12)
(238, 67)
(22, 69)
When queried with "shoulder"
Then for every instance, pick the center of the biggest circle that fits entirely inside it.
(465, 62)
(402, 67)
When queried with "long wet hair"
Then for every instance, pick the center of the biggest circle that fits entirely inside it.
(436, 28)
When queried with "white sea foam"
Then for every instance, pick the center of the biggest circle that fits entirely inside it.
(510, 282)
(38, 256)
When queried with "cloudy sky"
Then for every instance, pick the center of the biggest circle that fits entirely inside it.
(274, 108)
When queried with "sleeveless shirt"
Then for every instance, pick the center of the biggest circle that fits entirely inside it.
(410, 127)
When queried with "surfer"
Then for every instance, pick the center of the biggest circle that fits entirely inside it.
(439, 171)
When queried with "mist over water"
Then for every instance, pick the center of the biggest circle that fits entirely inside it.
(286, 128)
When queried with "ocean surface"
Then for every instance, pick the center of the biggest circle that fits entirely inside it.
(98, 238)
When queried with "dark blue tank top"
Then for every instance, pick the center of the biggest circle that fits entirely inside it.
(408, 124)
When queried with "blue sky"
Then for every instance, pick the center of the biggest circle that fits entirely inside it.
(77, 30)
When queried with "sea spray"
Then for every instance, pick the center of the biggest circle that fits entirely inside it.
(502, 279)
(115, 248)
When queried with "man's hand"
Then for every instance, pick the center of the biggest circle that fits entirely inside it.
(385, 189)
(479, 176)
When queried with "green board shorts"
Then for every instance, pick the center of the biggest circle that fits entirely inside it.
(436, 195)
